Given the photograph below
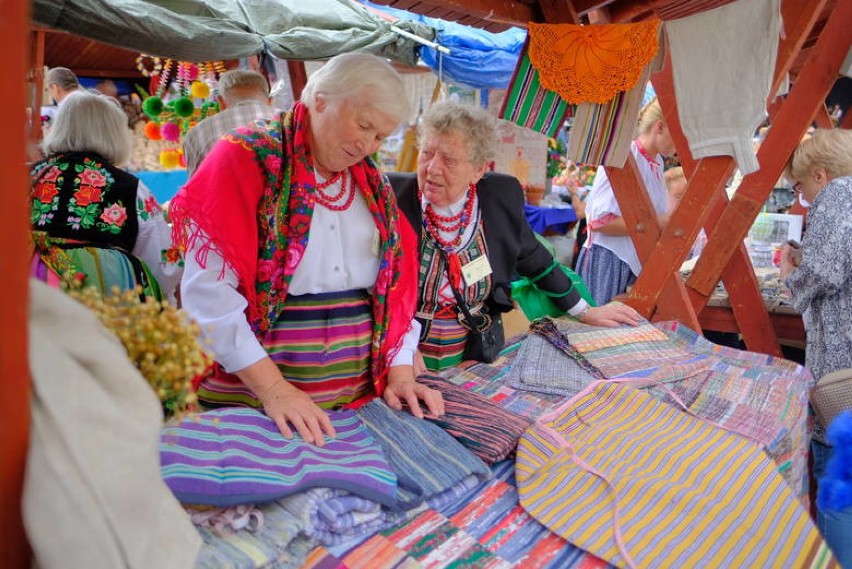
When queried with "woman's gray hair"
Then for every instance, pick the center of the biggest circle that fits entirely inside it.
(353, 75)
(240, 84)
(474, 123)
(90, 123)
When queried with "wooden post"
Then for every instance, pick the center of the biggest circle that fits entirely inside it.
(298, 77)
(36, 83)
(14, 230)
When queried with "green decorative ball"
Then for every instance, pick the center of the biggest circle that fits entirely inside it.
(183, 107)
(152, 106)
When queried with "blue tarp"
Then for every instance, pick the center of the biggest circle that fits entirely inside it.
(478, 59)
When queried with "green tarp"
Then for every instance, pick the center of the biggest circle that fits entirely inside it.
(198, 30)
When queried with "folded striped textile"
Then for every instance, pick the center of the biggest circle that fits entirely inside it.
(486, 429)
(321, 558)
(236, 456)
(425, 458)
(542, 367)
(333, 516)
(278, 543)
(638, 483)
(530, 105)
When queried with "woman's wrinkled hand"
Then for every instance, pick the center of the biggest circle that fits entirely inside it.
(791, 257)
(403, 388)
(610, 315)
(282, 402)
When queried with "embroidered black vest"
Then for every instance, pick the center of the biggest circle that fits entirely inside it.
(82, 197)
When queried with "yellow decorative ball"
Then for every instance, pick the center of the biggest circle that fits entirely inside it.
(169, 158)
(200, 89)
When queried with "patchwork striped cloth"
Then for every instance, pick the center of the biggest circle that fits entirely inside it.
(640, 351)
(530, 105)
(488, 430)
(238, 456)
(638, 483)
(492, 530)
(426, 459)
(601, 133)
(278, 543)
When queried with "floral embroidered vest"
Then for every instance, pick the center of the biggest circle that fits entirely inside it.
(82, 197)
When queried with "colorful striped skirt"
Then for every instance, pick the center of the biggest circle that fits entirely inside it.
(105, 269)
(443, 346)
(321, 344)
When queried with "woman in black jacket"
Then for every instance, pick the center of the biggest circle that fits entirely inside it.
(474, 237)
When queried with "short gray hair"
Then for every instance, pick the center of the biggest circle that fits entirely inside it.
(351, 75)
(829, 149)
(477, 126)
(90, 123)
(239, 84)
(63, 77)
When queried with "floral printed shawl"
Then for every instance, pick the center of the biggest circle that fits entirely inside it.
(258, 219)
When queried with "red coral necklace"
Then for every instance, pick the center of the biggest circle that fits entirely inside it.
(342, 199)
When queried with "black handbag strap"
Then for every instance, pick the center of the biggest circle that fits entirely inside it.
(460, 301)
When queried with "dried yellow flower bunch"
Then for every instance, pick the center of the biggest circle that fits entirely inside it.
(161, 341)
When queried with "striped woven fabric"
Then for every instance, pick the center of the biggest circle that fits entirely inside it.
(321, 343)
(426, 459)
(321, 558)
(616, 465)
(238, 456)
(760, 397)
(484, 427)
(601, 132)
(444, 346)
(530, 105)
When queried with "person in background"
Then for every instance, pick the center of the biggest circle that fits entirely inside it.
(474, 235)
(91, 217)
(61, 82)
(243, 98)
(819, 275)
(299, 268)
(676, 183)
(608, 261)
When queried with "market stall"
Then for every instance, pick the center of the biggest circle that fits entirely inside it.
(752, 406)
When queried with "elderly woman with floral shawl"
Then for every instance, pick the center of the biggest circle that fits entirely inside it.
(299, 267)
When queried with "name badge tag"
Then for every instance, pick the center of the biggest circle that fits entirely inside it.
(476, 270)
(376, 243)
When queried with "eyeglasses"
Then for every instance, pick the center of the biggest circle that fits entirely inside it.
(797, 187)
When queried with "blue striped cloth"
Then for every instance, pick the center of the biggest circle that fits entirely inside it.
(425, 458)
(238, 456)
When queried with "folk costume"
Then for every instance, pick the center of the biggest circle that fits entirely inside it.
(319, 275)
(489, 222)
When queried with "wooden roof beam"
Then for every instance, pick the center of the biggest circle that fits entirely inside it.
(559, 12)
(585, 6)
(509, 12)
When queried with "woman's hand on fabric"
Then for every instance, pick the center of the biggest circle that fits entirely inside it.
(402, 387)
(611, 315)
(283, 403)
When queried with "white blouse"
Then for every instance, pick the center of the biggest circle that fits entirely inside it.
(153, 241)
(342, 254)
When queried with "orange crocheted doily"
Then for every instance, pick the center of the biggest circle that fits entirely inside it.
(590, 64)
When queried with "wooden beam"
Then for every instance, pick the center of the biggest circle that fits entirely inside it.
(847, 119)
(558, 12)
(798, 18)
(812, 85)
(503, 11)
(822, 118)
(641, 221)
(14, 235)
(626, 10)
(36, 82)
(298, 77)
(585, 6)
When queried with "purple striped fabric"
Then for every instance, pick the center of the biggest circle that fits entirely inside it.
(488, 430)
(238, 456)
